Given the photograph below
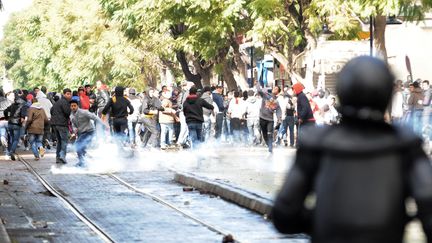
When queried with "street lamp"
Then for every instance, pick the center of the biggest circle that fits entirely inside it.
(326, 32)
(324, 35)
(251, 66)
(391, 20)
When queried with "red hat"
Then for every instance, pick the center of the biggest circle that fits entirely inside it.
(29, 97)
(298, 88)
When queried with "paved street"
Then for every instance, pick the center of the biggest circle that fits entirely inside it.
(31, 214)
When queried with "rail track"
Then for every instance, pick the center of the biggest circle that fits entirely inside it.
(75, 210)
(97, 229)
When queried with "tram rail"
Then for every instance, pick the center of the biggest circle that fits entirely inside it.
(75, 210)
(97, 229)
(167, 204)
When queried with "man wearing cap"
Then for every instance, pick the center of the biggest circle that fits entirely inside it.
(304, 110)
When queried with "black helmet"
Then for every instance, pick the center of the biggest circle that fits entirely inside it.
(364, 86)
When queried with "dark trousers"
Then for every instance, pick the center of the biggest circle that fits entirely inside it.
(152, 131)
(237, 129)
(47, 133)
(62, 136)
(120, 126)
(301, 127)
(15, 132)
(289, 125)
(219, 124)
(267, 128)
(195, 132)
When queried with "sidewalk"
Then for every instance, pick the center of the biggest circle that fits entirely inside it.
(250, 177)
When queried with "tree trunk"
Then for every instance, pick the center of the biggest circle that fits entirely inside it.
(240, 65)
(379, 37)
(204, 72)
(228, 75)
(195, 78)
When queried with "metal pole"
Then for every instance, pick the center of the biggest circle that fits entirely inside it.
(251, 71)
(371, 34)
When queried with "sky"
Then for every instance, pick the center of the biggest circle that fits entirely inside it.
(11, 6)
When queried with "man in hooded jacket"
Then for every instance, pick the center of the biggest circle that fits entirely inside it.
(118, 108)
(35, 124)
(193, 111)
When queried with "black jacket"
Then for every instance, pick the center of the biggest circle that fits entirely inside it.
(16, 112)
(192, 109)
(361, 174)
(118, 105)
(304, 111)
(60, 112)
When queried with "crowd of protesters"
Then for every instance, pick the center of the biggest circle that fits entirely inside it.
(180, 116)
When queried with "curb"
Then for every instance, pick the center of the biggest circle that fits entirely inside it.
(4, 237)
(239, 196)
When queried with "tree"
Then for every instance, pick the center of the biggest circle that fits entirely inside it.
(202, 33)
(355, 10)
(69, 43)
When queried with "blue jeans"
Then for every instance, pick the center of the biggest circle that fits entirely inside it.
(281, 131)
(61, 134)
(416, 119)
(3, 133)
(254, 130)
(81, 144)
(131, 131)
(14, 136)
(289, 123)
(35, 141)
(195, 132)
(166, 128)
